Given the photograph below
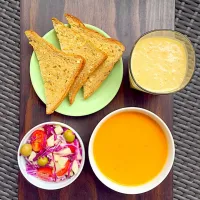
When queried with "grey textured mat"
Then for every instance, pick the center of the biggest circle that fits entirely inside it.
(187, 111)
(9, 97)
(186, 104)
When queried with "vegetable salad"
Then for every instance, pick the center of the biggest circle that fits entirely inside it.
(52, 153)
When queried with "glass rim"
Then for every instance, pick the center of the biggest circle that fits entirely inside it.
(152, 92)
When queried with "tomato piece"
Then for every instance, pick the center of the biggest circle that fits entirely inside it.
(37, 146)
(38, 135)
(64, 170)
(37, 140)
(72, 148)
(45, 173)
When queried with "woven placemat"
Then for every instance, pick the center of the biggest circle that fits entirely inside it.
(9, 97)
(186, 104)
(187, 111)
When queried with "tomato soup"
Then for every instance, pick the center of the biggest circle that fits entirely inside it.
(130, 148)
(159, 64)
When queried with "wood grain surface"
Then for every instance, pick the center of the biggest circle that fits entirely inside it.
(125, 20)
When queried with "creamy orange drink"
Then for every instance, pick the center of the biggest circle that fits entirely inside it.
(159, 64)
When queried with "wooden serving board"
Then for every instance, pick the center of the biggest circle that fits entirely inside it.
(125, 20)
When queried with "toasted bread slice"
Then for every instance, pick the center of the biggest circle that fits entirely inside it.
(58, 70)
(113, 48)
(71, 42)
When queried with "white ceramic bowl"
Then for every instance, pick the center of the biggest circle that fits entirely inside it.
(144, 187)
(45, 184)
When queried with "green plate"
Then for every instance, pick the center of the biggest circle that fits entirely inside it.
(80, 107)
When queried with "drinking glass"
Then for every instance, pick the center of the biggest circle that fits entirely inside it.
(190, 52)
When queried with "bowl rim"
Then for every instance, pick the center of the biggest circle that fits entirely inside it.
(53, 185)
(144, 187)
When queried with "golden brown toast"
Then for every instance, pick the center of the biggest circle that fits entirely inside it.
(71, 42)
(58, 69)
(113, 48)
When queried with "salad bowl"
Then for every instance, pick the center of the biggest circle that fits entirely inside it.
(30, 174)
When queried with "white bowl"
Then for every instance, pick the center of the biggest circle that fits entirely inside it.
(45, 184)
(144, 187)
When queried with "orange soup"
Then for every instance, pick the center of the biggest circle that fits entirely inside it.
(130, 148)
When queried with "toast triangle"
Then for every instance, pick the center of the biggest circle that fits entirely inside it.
(71, 42)
(58, 69)
(113, 48)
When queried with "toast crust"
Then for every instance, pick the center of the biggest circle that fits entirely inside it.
(105, 44)
(78, 23)
(35, 38)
